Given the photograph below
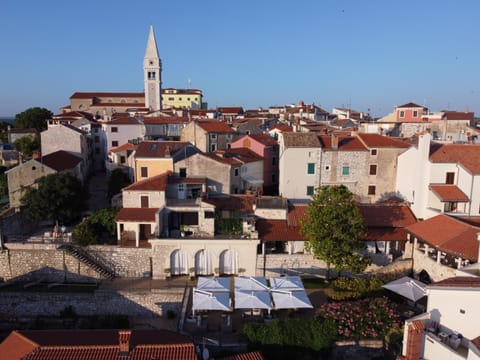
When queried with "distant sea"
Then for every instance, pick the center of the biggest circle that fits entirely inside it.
(9, 119)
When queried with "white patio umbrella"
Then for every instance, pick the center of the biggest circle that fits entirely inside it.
(213, 284)
(407, 287)
(252, 300)
(251, 283)
(291, 299)
(289, 283)
(204, 300)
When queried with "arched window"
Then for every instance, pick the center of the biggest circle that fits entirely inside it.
(229, 262)
(179, 262)
(203, 263)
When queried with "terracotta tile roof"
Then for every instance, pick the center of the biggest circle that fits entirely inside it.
(256, 355)
(16, 346)
(88, 95)
(245, 155)
(295, 139)
(158, 149)
(377, 140)
(98, 345)
(295, 214)
(476, 342)
(136, 214)
(214, 126)
(264, 139)
(224, 160)
(161, 120)
(410, 105)
(61, 160)
(447, 192)
(387, 215)
(238, 203)
(448, 234)
(277, 230)
(458, 282)
(282, 128)
(230, 110)
(458, 115)
(466, 155)
(74, 115)
(345, 143)
(154, 183)
(126, 146)
(122, 104)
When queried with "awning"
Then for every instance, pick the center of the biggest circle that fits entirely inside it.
(204, 300)
(213, 284)
(407, 287)
(448, 193)
(252, 300)
(252, 180)
(291, 299)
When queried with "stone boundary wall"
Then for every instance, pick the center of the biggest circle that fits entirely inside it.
(30, 261)
(144, 303)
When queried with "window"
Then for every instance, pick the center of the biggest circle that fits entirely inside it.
(274, 178)
(97, 151)
(373, 152)
(144, 171)
(371, 190)
(310, 190)
(183, 172)
(114, 129)
(415, 113)
(345, 170)
(96, 130)
(171, 99)
(274, 161)
(144, 201)
(213, 136)
(373, 169)
(229, 146)
(213, 147)
(209, 215)
(235, 172)
(114, 143)
(402, 114)
(310, 168)
(122, 159)
(450, 178)
(151, 75)
(189, 218)
(97, 139)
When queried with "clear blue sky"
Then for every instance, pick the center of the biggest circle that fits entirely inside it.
(358, 53)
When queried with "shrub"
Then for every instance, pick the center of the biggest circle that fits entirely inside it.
(354, 288)
(311, 334)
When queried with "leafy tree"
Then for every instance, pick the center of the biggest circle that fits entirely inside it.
(56, 197)
(28, 144)
(3, 182)
(117, 181)
(334, 229)
(91, 230)
(34, 118)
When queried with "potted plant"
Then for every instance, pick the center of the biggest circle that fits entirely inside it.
(216, 271)
(167, 272)
(241, 270)
(192, 273)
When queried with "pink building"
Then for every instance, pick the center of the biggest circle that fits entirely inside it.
(266, 147)
(411, 113)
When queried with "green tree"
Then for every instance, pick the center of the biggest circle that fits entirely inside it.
(93, 229)
(33, 118)
(28, 144)
(334, 229)
(117, 181)
(56, 197)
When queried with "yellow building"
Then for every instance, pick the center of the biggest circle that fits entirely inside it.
(182, 98)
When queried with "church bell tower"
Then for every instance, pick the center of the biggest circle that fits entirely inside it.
(152, 69)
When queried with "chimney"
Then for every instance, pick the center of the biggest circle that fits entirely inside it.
(36, 155)
(124, 342)
(334, 142)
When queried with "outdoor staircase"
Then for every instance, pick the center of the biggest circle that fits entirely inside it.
(81, 254)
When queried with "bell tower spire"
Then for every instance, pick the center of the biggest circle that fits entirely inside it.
(152, 69)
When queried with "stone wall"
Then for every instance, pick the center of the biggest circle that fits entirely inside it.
(144, 303)
(46, 262)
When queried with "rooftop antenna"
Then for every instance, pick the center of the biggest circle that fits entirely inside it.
(189, 83)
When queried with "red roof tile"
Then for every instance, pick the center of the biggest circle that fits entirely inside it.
(448, 234)
(458, 115)
(154, 183)
(187, 180)
(158, 149)
(277, 230)
(214, 126)
(61, 160)
(282, 128)
(245, 155)
(256, 355)
(387, 215)
(96, 344)
(476, 342)
(238, 203)
(164, 120)
(410, 105)
(447, 192)
(136, 214)
(295, 214)
(345, 143)
(237, 110)
(88, 95)
(466, 155)
(264, 139)
(377, 140)
(126, 146)
(459, 282)
(295, 139)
